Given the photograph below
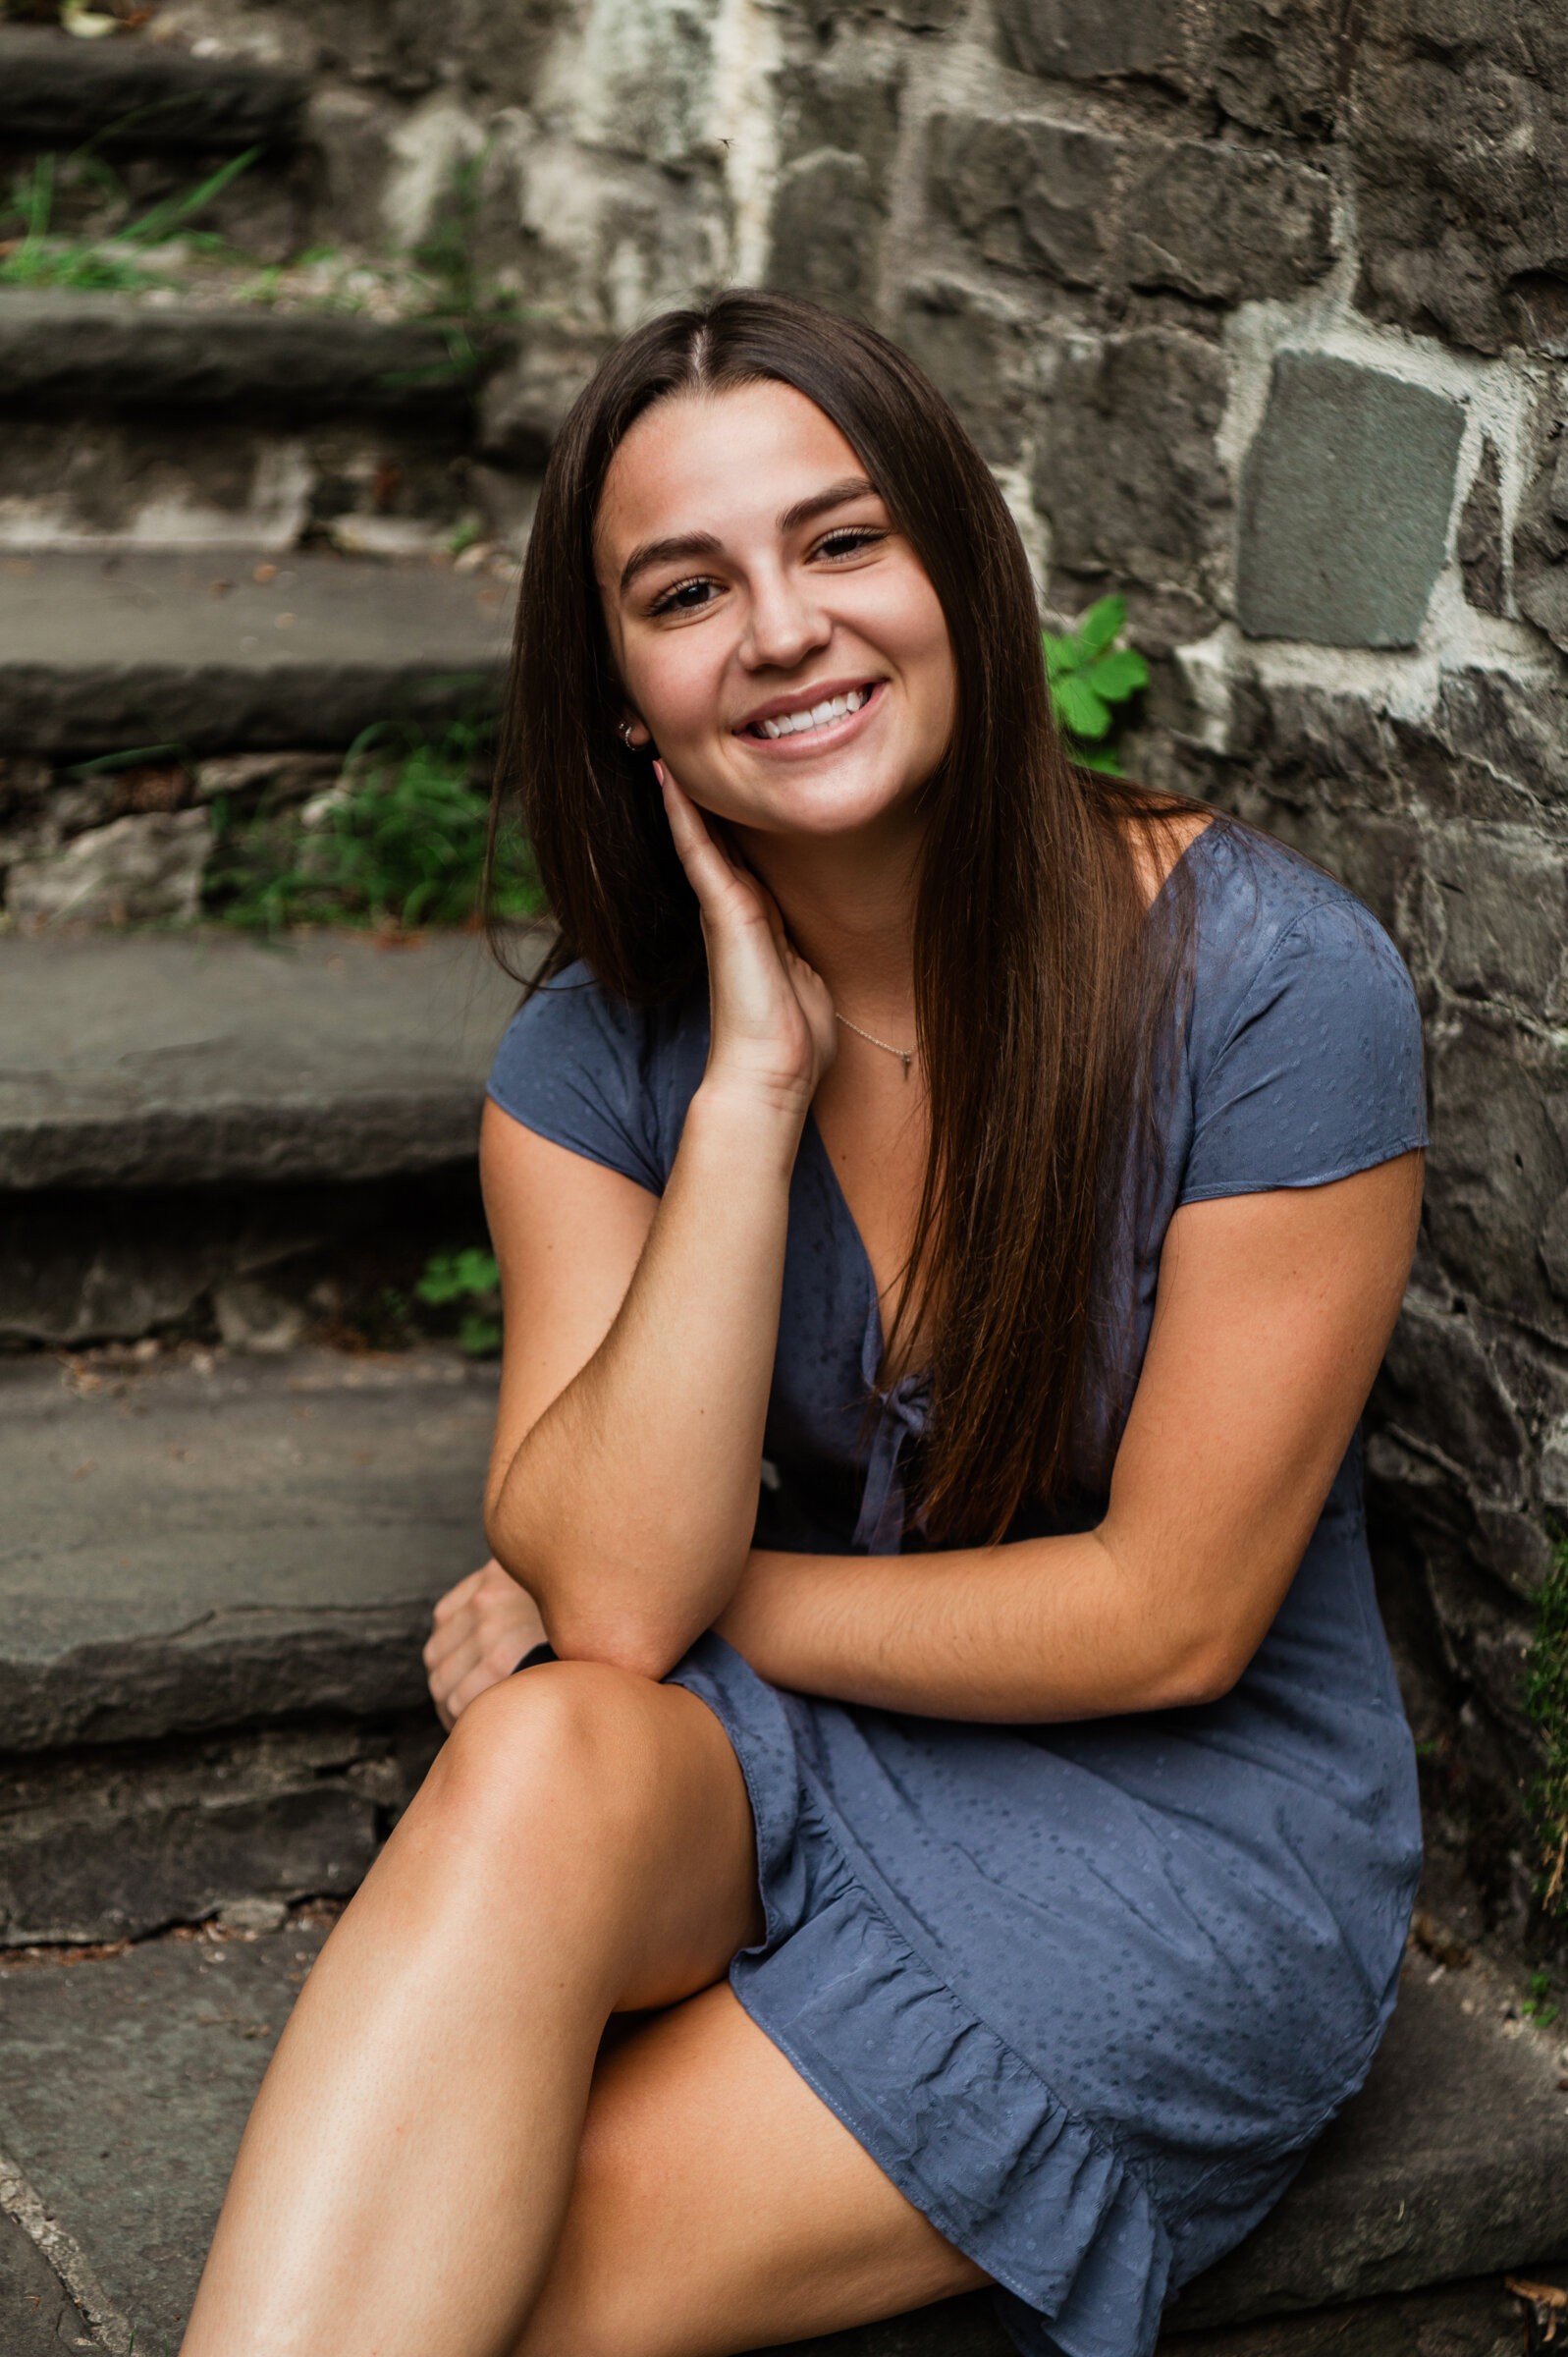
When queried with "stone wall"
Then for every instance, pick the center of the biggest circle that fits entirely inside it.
(1258, 308)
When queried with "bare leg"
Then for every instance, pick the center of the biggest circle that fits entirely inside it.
(720, 2205)
(582, 1842)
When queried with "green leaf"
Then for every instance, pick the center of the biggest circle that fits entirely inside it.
(1101, 757)
(457, 1276)
(1080, 710)
(1101, 623)
(1061, 654)
(1119, 675)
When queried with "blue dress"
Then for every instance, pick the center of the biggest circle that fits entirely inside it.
(1086, 1993)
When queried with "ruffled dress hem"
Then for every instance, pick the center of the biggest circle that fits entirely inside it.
(1064, 2226)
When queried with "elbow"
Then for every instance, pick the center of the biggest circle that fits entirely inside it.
(1203, 1670)
(643, 1653)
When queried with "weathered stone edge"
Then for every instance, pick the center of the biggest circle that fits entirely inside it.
(110, 350)
(333, 1135)
(1346, 2234)
(212, 708)
(53, 88)
(233, 1668)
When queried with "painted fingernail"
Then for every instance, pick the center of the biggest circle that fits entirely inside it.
(659, 773)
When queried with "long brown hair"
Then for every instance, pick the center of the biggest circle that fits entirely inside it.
(1040, 985)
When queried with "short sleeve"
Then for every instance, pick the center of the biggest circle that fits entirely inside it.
(1316, 1070)
(573, 1066)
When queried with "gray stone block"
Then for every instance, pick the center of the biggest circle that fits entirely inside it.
(1270, 64)
(135, 94)
(1480, 546)
(38, 2317)
(1499, 1160)
(119, 1841)
(100, 655)
(1540, 535)
(136, 871)
(189, 1550)
(1031, 192)
(983, 354)
(1127, 471)
(1345, 500)
(1504, 897)
(107, 1265)
(156, 1060)
(110, 350)
(1225, 224)
(1082, 40)
(124, 2089)
(1459, 140)
(829, 216)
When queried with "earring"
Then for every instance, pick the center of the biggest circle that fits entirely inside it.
(625, 734)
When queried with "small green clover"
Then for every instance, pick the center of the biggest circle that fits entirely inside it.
(472, 1278)
(457, 1276)
(1089, 675)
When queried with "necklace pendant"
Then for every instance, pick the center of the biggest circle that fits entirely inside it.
(905, 1061)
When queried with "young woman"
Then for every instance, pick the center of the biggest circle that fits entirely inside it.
(950, 1209)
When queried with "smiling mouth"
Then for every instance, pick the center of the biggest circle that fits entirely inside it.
(813, 717)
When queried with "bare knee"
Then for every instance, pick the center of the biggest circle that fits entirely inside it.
(575, 1742)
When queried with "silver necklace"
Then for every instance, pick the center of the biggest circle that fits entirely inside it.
(906, 1055)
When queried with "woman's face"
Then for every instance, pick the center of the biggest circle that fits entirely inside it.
(778, 637)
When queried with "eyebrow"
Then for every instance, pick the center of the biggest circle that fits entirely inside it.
(703, 544)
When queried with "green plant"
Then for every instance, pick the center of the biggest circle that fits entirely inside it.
(399, 841)
(111, 262)
(1090, 675)
(1546, 1705)
(1539, 2005)
(472, 1277)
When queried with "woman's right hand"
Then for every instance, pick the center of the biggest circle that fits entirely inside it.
(480, 1632)
(772, 1018)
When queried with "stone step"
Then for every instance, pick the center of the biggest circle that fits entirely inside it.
(137, 95)
(119, 352)
(128, 425)
(215, 1581)
(124, 2084)
(101, 655)
(168, 1059)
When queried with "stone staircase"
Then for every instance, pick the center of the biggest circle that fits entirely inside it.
(216, 1568)
(245, 503)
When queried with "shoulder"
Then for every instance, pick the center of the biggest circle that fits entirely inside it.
(1262, 914)
(595, 1072)
(1304, 1035)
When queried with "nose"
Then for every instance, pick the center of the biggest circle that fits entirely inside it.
(784, 622)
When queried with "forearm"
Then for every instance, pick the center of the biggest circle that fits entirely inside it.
(627, 1510)
(1041, 1629)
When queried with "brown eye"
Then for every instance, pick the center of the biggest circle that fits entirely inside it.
(849, 540)
(686, 597)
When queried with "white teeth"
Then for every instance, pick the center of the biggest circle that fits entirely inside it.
(795, 724)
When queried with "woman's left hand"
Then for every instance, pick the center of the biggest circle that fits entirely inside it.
(480, 1632)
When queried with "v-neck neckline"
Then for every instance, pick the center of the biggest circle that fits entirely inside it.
(874, 1341)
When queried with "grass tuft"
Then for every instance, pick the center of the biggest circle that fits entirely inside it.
(397, 843)
(114, 263)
